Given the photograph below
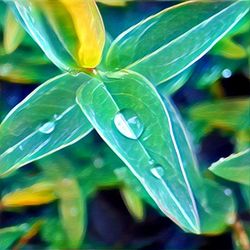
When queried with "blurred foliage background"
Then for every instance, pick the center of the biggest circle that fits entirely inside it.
(84, 196)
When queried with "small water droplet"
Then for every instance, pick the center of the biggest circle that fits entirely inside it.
(21, 147)
(157, 171)
(221, 159)
(74, 73)
(10, 150)
(228, 192)
(151, 162)
(47, 128)
(66, 182)
(98, 162)
(73, 211)
(226, 73)
(128, 124)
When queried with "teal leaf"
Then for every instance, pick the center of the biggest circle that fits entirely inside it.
(174, 84)
(149, 137)
(44, 122)
(245, 191)
(34, 68)
(216, 208)
(236, 167)
(227, 114)
(167, 43)
(9, 235)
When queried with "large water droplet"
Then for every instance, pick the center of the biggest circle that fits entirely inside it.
(157, 171)
(128, 124)
(47, 128)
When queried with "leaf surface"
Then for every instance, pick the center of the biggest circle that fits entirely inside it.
(45, 121)
(167, 43)
(236, 167)
(37, 194)
(72, 211)
(71, 33)
(228, 114)
(9, 235)
(13, 33)
(149, 137)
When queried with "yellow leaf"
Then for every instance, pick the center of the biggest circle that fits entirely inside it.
(117, 3)
(38, 194)
(133, 203)
(89, 29)
(229, 49)
(13, 33)
(70, 32)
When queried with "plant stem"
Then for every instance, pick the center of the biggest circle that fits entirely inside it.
(241, 235)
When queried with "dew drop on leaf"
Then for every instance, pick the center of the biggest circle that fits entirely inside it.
(226, 73)
(128, 124)
(228, 192)
(151, 162)
(47, 128)
(98, 162)
(157, 171)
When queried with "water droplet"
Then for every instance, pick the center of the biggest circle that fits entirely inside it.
(151, 162)
(231, 219)
(221, 159)
(98, 162)
(66, 182)
(228, 192)
(226, 73)
(21, 147)
(74, 73)
(128, 124)
(10, 150)
(73, 211)
(157, 171)
(47, 128)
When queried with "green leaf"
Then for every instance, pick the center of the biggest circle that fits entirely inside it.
(245, 191)
(167, 43)
(72, 211)
(236, 167)
(96, 172)
(9, 235)
(174, 84)
(126, 177)
(33, 68)
(229, 49)
(133, 203)
(228, 114)
(44, 122)
(13, 33)
(149, 137)
(218, 213)
(52, 233)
